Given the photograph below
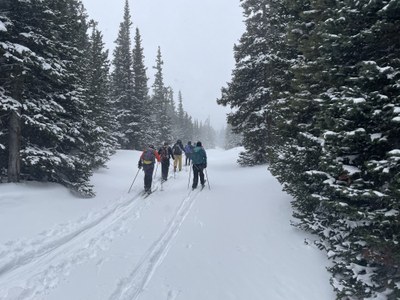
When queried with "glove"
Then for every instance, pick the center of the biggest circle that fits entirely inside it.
(205, 166)
(139, 165)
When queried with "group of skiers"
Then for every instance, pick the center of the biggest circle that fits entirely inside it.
(195, 156)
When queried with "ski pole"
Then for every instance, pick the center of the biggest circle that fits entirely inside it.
(133, 181)
(190, 171)
(162, 178)
(208, 181)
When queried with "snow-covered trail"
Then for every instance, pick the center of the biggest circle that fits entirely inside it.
(237, 243)
(231, 242)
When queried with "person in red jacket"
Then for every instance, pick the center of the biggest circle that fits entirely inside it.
(147, 161)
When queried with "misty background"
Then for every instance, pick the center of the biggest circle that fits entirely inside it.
(196, 40)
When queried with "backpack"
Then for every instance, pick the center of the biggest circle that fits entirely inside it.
(149, 157)
(163, 153)
(189, 149)
(177, 150)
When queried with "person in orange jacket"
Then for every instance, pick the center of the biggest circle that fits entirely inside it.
(147, 161)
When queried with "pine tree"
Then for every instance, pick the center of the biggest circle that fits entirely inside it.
(297, 150)
(360, 134)
(184, 126)
(208, 134)
(144, 130)
(160, 103)
(259, 77)
(126, 105)
(318, 81)
(188, 133)
(101, 141)
(196, 130)
(171, 112)
(42, 92)
(341, 160)
(180, 118)
(231, 139)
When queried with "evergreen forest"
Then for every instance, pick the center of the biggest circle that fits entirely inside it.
(315, 94)
(65, 106)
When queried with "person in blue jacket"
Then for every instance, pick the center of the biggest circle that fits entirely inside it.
(199, 161)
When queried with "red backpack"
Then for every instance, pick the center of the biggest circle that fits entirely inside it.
(163, 153)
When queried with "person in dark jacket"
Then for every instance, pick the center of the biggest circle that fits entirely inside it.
(147, 161)
(199, 161)
(165, 153)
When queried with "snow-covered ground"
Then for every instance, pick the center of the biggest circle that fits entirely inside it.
(234, 241)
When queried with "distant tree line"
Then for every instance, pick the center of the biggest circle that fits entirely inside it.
(65, 108)
(228, 139)
(316, 94)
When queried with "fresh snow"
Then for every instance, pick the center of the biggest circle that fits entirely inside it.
(396, 119)
(2, 26)
(358, 100)
(234, 241)
(351, 170)
(394, 152)
(375, 136)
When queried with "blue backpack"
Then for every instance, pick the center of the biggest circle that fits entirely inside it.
(149, 157)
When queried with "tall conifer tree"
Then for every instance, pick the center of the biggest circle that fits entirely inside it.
(355, 87)
(101, 141)
(259, 78)
(125, 103)
(144, 129)
(160, 102)
(180, 119)
(42, 92)
(331, 82)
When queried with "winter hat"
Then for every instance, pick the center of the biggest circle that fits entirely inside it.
(189, 143)
(165, 143)
(151, 146)
(198, 144)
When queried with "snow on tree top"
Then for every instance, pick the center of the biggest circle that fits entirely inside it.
(351, 169)
(395, 152)
(392, 213)
(14, 47)
(2, 26)
(328, 133)
(375, 136)
(354, 132)
(396, 119)
(357, 100)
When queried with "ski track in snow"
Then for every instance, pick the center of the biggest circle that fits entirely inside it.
(131, 287)
(29, 268)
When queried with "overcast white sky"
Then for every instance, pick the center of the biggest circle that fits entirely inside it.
(196, 40)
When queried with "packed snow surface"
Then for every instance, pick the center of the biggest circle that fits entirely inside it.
(231, 240)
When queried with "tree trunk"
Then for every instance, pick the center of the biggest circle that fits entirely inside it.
(14, 129)
(14, 145)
